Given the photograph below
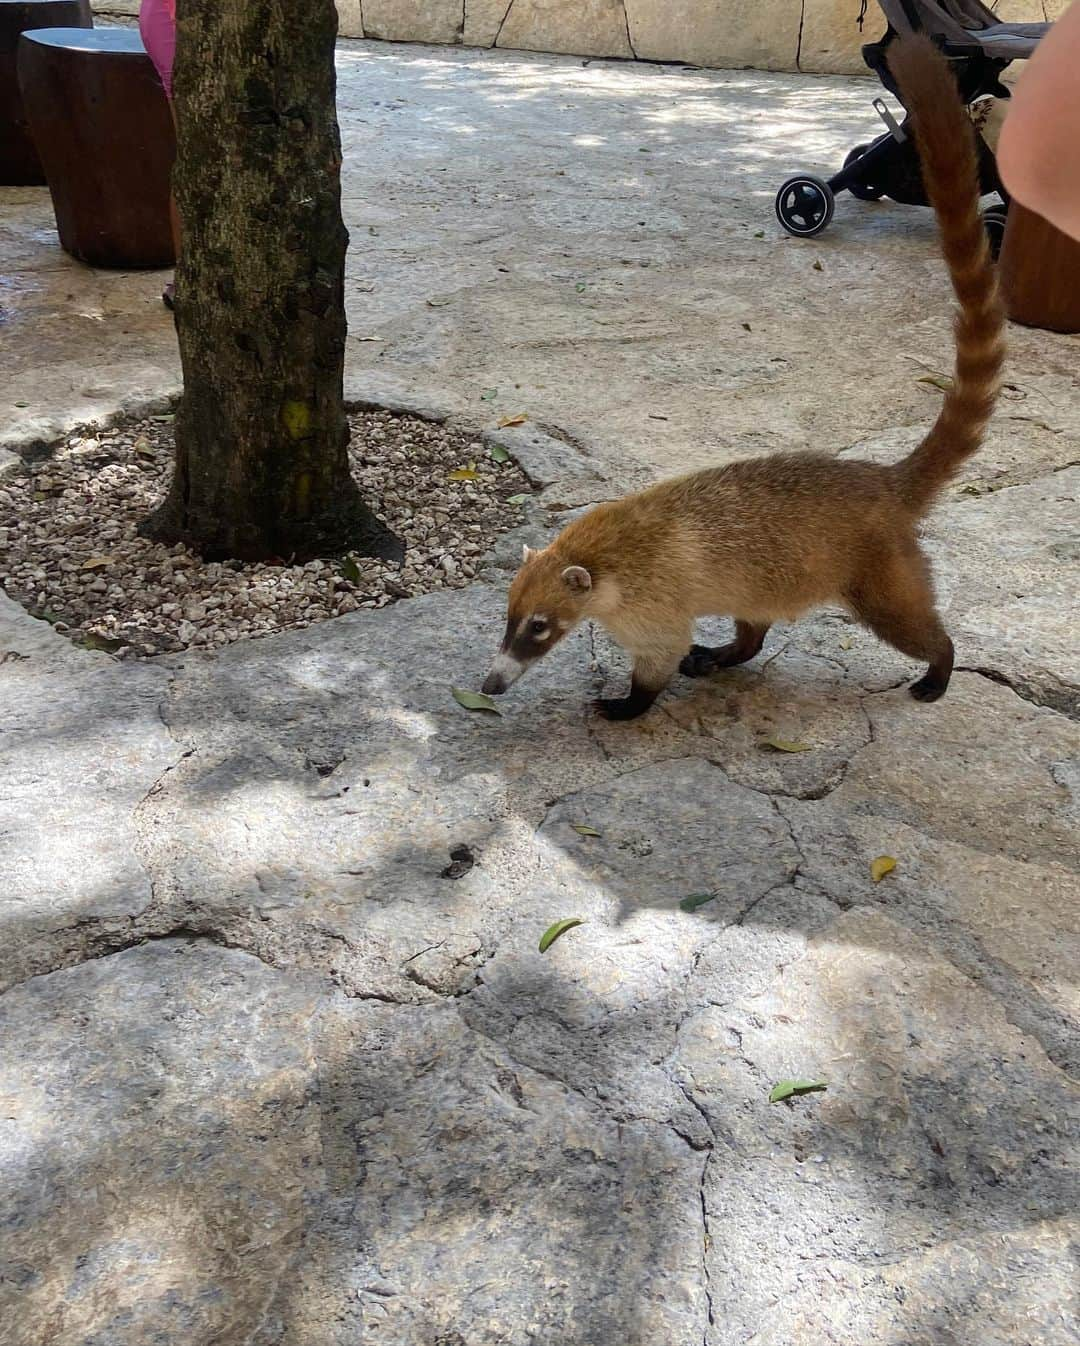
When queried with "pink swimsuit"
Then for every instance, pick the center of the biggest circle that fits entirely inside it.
(157, 27)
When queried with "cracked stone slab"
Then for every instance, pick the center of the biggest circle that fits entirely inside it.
(463, 1188)
(158, 1150)
(929, 1194)
(785, 695)
(1008, 924)
(545, 459)
(83, 744)
(1009, 565)
(981, 767)
(349, 735)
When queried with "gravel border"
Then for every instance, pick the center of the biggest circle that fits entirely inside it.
(70, 551)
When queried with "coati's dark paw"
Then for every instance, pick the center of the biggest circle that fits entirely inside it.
(620, 707)
(928, 689)
(699, 663)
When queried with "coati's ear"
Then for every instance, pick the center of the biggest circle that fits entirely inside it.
(577, 579)
(527, 552)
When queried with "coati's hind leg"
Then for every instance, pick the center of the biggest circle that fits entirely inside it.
(704, 659)
(897, 604)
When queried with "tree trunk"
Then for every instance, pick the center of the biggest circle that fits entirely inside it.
(261, 437)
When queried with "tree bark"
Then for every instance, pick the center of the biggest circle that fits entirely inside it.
(261, 436)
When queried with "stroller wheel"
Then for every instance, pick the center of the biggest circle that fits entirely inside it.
(994, 218)
(804, 205)
(861, 190)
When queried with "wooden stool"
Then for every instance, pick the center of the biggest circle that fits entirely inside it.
(102, 126)
(19, 162)
(1040, 272)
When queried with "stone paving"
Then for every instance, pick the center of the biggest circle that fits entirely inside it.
(269, 1078)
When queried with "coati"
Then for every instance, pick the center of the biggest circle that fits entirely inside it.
(765, 539)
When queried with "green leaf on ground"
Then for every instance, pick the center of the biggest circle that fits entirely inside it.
(795, 1089)
(489, 395)
(784, 745)
(943, 381)
(696, 900)
(580, 287)
(499, 454)
(464, 473)
(552, 933)
(350, 569)
(518, 499)
(474, 700)
(92, 641)
(585, 830)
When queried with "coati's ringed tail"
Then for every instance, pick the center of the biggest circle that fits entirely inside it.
(947, 154)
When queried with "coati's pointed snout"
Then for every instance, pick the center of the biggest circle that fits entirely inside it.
(505, 671)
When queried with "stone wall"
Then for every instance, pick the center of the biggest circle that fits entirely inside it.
(820, 36)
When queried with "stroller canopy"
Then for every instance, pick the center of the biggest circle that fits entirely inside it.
(966, 26)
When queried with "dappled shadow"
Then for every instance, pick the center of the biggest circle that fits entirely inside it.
(525, 1113)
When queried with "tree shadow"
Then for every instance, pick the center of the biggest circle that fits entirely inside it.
(493, 1120)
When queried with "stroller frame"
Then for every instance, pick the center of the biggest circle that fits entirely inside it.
(979, 50)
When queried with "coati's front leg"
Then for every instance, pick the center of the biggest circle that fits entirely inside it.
(653, 670)
(704, 659)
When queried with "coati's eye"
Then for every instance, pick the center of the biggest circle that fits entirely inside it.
(538, 627)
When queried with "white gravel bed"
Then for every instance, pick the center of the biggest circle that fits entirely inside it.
(70, 551)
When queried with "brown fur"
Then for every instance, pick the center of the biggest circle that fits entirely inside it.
(766, 539)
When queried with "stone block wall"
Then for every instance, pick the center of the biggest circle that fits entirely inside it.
(819, 36)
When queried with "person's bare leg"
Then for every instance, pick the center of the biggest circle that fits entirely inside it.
(1038, 152)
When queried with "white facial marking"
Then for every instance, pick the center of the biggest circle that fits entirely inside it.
(505, 666)
(525, 626)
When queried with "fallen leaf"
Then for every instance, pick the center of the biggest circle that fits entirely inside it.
(519, 419)
(489, 395)
(461, 861)
(367, 338)
(746, 327)
(92, 641)
(795, 1089)
(785, 745)
(580, 287)
(350, 569)
(943, 381)
(464, 473)
(644, 149)
(498, 454)
(96, 563)
(474, 700)
(552, 933)
(760, 233)
(437, 303)
(970, 489)
(695, 900)
(818, 266)
(518, 499)
(585, 830)
(884, 864)
(167, 416)
(21, 404)
(846, 642)
(655, 416)
(143, 447)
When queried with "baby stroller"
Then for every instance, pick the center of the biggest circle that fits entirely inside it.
(979, 48)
